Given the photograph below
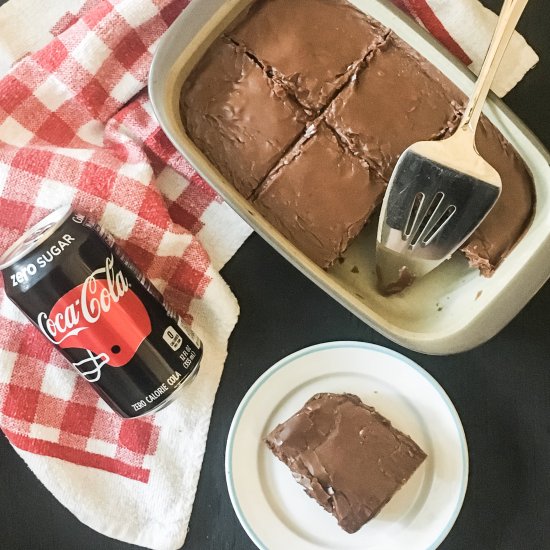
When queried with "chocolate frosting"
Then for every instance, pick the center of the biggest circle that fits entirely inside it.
(511, 215)
(311, 46)
(348, 457)
(241, 119)
(320, 196)
(397, 100)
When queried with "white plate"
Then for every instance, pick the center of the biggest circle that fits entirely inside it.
(273, 508)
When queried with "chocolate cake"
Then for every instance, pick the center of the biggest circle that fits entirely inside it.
(289, 79)
(511, 215)
(301, 200)
(397, 100)
(348, 457)
(312, 46)
(239, 116)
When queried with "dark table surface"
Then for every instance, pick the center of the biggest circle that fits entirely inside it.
(501, 391)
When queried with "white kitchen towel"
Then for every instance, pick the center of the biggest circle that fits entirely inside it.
(465, 28)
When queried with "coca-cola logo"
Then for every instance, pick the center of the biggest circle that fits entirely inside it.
(102, 316)
(95, 299)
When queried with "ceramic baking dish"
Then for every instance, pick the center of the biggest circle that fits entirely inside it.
(451, 310)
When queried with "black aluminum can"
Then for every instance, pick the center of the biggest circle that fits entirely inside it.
(84, 295)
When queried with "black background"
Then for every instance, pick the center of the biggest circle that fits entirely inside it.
(501, 391)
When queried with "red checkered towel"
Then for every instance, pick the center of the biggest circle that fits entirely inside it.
(76, 127)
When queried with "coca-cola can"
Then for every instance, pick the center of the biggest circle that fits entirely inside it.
(91, 302)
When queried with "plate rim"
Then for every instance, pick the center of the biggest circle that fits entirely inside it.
(338, 344)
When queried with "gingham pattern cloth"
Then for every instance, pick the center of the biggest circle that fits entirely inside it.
(465, 28)
(76, 127)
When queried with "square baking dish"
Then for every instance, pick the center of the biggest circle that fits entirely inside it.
(451, 310)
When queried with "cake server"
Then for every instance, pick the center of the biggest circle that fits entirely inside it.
(440, 191)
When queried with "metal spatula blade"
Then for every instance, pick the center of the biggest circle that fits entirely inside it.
(430, 208)
(441, 191)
